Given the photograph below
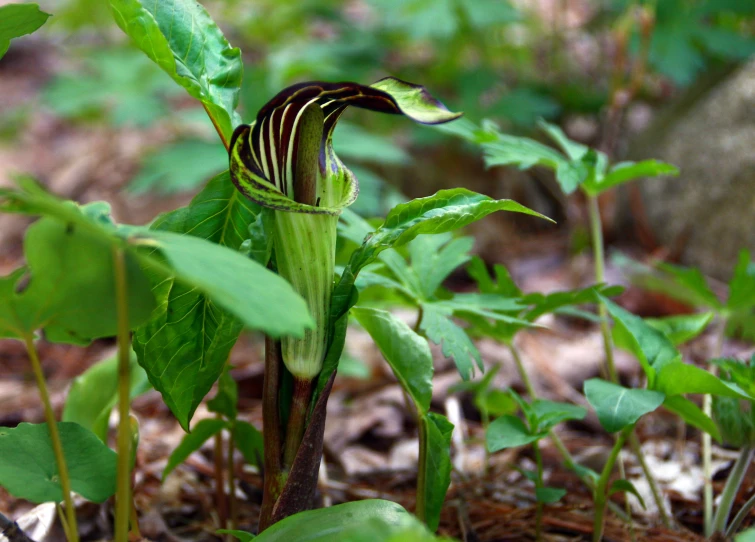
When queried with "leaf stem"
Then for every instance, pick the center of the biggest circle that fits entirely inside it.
(707, 442)
(740, 517)
(220, 501)
(538, 485)
(273, 475)
(596, 233)
(601, 489)
(217, 128)
(123, 490)
(297, 419)
(72, 532)
(733, 483)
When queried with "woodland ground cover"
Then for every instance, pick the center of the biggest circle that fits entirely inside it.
(231, 314)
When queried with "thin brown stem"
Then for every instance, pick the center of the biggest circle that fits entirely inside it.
(57, 445)
(273, 475)
(217, 128)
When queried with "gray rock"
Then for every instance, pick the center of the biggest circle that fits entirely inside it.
(710, 208)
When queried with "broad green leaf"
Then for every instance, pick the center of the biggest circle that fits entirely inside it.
(438, 326)
(407, 353)
(496, 402)
(189, 324)
(54, 247)
(745, 536)
(549, 495)
(548, 414)
(739, 372)
(227, 397)
(627, 487)
(242, 536)
(438, 432)
(181, 38)
(548, 303)
(17, 20)
(94, 393)
(28, 469)
(509, 432)
(328, 524)
(573, 150)
(742, 285)
(692, 414)
(259, 245)
(628, 171)
(679, 378)
(248, 440)
(193, 441)
(618, 407)
(651, 347)
(681, 328)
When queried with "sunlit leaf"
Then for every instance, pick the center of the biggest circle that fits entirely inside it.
(17, 20)
(509, 432)
(618, 407)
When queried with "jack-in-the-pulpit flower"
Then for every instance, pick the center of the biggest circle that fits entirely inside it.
(285, 161)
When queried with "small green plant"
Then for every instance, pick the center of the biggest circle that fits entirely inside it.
(509, 431)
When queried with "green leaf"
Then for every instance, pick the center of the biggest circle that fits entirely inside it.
(227, 397)
(652, 348)
(745, 536)
(737, 423)
(94, 393)
(434, 257)
(627, 487)
(549, 495)
(509, 432)
(628, 171)
(193, 441)
(692, 415)
(17, 20)
(242, 536)
(259, 298)
(407, 353)
(438, 432)
(55, 247)
(503, 285)
(181, 38)
(549, 303)
(328, 524)
(618, 407)
(682, 327)
(679, 378)
(437, 325)
(249, 442)
(573, 150)
(28, 469)
(690, 286)
(548, 414)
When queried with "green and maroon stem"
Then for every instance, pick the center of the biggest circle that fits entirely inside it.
(285, 161)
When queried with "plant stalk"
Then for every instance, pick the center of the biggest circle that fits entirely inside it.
(601, 489)
(57, 445)
(538, 485)
(707, 442)
(220, 501)
(733, 483)
(297, 419)
(123, 490)
(232, 511)
(273, 477)
(596, 231)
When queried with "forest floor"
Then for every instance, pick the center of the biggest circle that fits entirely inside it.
(371, 440)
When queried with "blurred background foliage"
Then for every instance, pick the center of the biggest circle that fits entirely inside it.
(511, 61)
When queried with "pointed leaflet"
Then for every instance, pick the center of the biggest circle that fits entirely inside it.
(181, 38)
(509, 432)
(193, 441)
(440, 329)
(28, 469)
(188, 324)
(692, 414)
(17, 20)
(264, 157)
(438, 431)
(406, 352)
